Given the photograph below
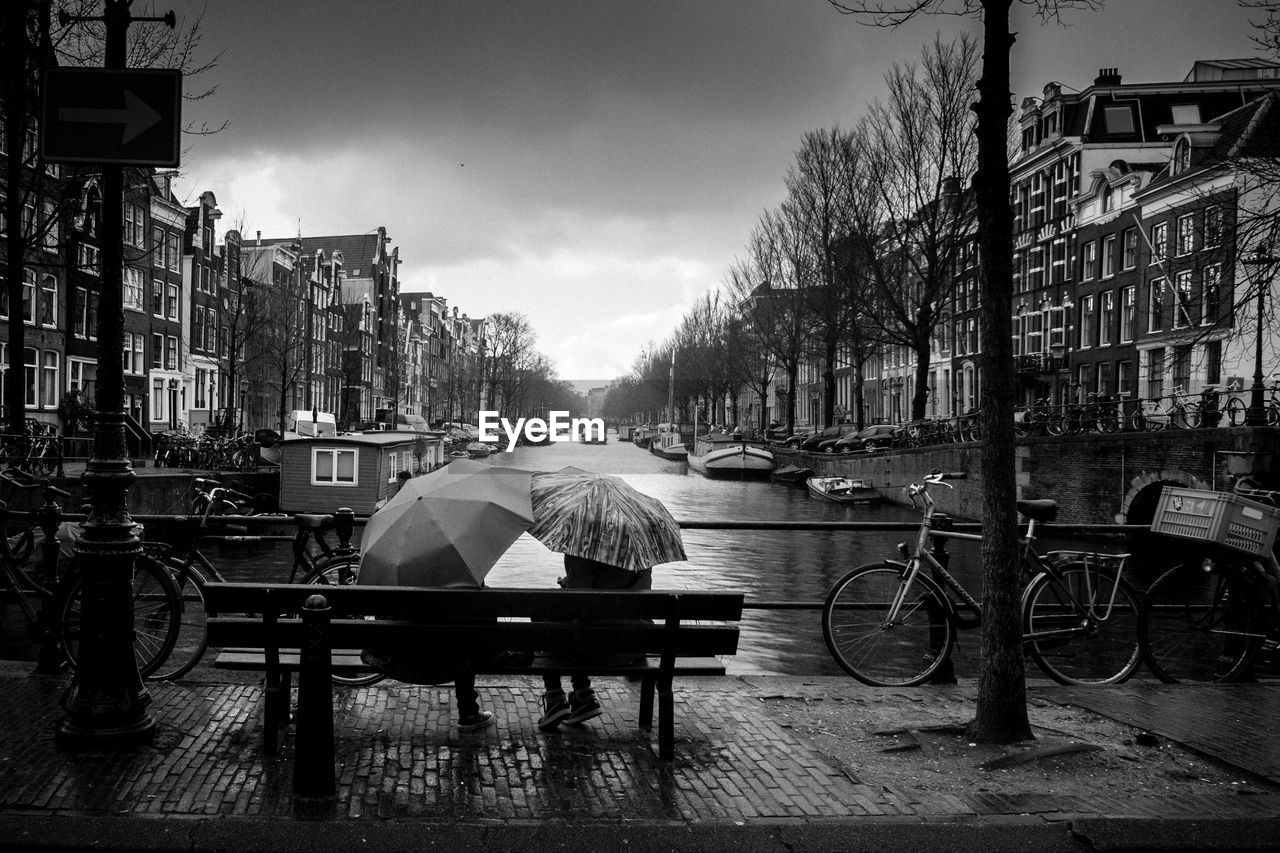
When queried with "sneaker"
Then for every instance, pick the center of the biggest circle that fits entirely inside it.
(475, 722)
(583, 707)
(556, 708)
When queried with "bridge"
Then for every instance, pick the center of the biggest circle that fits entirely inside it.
(1096, 478)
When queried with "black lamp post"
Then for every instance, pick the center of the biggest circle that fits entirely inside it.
(1256, 414)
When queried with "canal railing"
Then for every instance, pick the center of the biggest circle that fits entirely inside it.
(270, 524)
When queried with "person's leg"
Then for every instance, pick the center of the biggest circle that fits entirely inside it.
(583, 704)
(555, 706)
(470, 717)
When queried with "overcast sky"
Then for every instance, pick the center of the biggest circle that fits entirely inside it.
(594, 165)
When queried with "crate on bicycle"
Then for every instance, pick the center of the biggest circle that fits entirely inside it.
(1221, 517)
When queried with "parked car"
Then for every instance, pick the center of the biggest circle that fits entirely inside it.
(814, 443)
(873, 438)
(795, 439)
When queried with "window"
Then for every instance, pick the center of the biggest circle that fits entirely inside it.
(157, 297)
(134, 223)
(1213, 362)
(1124, 378)
(133, 353)
(89, 259)
(1212, 226)
(1035, 268)
(51, 232)
(157, 246)
(1084, 379)
(49, 301)
(1089, 261)
(29, 296)
(1087, 326)
(1106, 317)
(1185, 113)
(29, 368)
(171, 301)
(1182, 368)
(1182, 309)
(202, 385)
(1186, 236)
(1118, 118)
(394, 459)
(86, 321)
(1211, 294)
(4, 199)
(159, 399)
(1057, 326)
(170, 353)
(1159, 242)
(334, 467)
(974, 345)
(1181, 160)
(1058, 261)
(49, 386)
(1155, 306)
(1155, 373)
(173, 253)
(1108, 255)
(1035, 332)
(157, 351)
(1104, 378)
(1130, 259)
(133, 289)
(81, 377)
(1127, 314)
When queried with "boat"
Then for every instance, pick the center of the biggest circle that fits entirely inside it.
(478, 450)
(792, 474)
(669, 444)
(641, 436)
(624, 432)
(842, 490)
(723, 455)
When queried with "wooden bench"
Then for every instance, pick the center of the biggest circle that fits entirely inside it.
(275, 630)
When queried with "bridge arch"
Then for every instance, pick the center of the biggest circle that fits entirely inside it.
(1139, 504)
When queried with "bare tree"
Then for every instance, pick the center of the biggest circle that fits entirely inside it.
(1001, 714)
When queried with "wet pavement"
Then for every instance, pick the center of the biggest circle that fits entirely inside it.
(743, 764)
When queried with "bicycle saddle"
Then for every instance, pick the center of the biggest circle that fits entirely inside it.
(1042, 510)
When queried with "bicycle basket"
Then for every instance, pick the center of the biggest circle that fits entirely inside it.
(1229, 520)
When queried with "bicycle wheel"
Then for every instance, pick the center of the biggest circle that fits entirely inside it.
(1075, 631)
(342, 571)
(1235, 411)
(902, 653)
(156, 607)
(1200, 626)
(192, 639)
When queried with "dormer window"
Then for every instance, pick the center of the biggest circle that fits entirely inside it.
(1181, 156)
(1186, 113)
(1118, 118)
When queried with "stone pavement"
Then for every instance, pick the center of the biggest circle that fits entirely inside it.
(748, 754)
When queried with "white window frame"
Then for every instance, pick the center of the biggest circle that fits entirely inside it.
(1128, 313)
(50, 373)
(48, 307)
(1182, 306)
(1088, 321)
(334, 453)
(1210, 279)
(1155, 305)
(1185, 235)
(1089, 257)
(134, 290)
(1106, 317)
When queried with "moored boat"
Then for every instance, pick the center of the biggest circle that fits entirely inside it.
(792, 474)
(669, 445)
(842, 490)
(721, 455)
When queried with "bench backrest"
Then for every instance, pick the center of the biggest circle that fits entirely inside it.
(550, 620)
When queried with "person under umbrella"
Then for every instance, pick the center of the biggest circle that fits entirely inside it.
(611, 535)
(444, 529)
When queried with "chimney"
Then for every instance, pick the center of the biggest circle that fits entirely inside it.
(1107, 77)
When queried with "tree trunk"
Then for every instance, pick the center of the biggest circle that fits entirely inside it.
(1002, 700)
(829, 382)
(920, 397)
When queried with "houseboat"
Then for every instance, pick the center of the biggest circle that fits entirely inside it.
(668, 442)
(358, 470)
(722, 455)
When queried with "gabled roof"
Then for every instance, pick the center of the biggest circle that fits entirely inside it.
(358, 250)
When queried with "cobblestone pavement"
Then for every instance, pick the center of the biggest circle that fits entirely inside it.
(748, 748)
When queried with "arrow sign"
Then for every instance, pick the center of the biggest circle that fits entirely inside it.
(136, 116)
(99, 115)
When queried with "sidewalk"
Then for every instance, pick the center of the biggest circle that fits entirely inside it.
(762, 763)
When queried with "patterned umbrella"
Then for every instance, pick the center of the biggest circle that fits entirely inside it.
(599, 517)
(446, 528)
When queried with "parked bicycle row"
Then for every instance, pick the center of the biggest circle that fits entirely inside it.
(1096, 413)
(1209, 617)
(180, 450)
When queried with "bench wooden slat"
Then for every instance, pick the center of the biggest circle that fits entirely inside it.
(556, 637)
(347, 661)
(416, 602)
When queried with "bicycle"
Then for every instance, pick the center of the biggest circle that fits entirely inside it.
(156, 602)
(892, 624)
(1210, 617)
